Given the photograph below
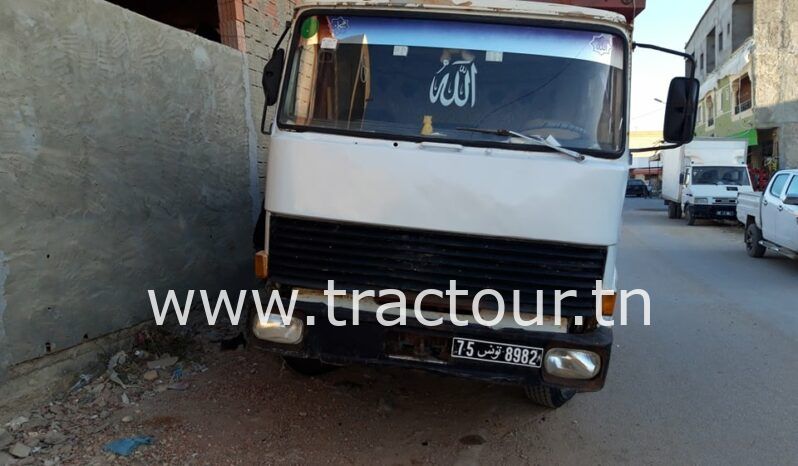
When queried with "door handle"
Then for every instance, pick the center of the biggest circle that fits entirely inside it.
(764, 202)
(781, 208)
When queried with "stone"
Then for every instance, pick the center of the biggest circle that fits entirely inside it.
(17, 422)
(162, 363)
(19, 450)
(54, 437)
(6, 439)
(178, 386)
(127, 419)
(150, 375)
(6, 459)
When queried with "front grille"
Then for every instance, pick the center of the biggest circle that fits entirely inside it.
(307, 253)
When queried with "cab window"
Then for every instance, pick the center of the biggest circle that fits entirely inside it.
(792, 191)
(778, 185)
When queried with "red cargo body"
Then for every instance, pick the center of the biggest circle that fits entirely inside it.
(629, 8)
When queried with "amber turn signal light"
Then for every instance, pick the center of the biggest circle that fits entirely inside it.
(261, 264)
(608, 304)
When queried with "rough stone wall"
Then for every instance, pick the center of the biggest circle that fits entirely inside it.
(264, 22)
(775, 65)
(125, 165)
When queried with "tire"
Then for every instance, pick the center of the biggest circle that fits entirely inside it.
(689, 216)
(672, 208)
(753, 235)
(307, 367)
(548, 397)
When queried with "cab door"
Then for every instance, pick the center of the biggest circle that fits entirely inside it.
(787, 222)
(772, 206)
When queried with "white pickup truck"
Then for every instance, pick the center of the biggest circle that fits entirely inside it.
(771, 218)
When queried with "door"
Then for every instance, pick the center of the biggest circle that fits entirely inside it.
(787, 222)
(772, 206)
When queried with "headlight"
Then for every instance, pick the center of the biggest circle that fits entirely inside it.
(702, 200)
(273, 329)
(572, 363)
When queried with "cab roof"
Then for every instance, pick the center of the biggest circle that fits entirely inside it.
(564, 10)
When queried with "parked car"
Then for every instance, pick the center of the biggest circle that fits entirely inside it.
(637, 188)
(771, 217)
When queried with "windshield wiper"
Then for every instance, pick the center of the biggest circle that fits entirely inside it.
(549, 141)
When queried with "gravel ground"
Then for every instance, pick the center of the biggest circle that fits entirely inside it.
(707, 383)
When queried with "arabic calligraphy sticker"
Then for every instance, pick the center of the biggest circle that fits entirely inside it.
(454, 82)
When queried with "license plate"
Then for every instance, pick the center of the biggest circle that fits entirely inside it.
(726, 213)
(502, 353)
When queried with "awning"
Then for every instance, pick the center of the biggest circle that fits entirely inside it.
(749, 134)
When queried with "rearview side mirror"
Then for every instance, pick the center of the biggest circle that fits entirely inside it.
(681, 178)
(791, 200)
(680, 111)
(272, 74)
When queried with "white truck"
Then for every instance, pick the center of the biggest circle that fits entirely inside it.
(419, 143)
(771, 218)
(703, 178)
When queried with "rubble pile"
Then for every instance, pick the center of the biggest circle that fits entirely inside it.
(105, 403)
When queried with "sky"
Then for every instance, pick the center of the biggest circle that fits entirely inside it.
(667, 23)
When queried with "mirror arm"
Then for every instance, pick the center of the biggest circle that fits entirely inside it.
(686, 56)
(651, 149)
(265, 107)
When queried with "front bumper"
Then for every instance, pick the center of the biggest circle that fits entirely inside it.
(715, 212)
(430, 347)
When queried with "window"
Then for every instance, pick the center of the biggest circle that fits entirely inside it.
(792, 191)
(711, 51)
(720, 40)
(701, 63)
(710, 111)
(778, 185)
(741, 88)
(720, 176)
(428, 79)
(743, 22)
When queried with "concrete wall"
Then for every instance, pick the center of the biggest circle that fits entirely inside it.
(127, 163)
(775, 63)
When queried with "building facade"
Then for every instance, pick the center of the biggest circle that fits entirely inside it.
(747, 65)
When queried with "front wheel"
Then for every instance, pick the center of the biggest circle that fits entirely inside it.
(689, 215)
(548, 396)
(753, 235)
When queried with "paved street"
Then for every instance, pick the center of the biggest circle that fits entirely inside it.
(712, 381)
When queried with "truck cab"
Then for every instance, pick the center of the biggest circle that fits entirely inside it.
(702, 179)
(419, 146)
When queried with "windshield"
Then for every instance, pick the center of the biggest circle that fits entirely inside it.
(732, 176)
(433, 79)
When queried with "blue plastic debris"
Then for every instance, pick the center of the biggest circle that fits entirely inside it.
(126, 446)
